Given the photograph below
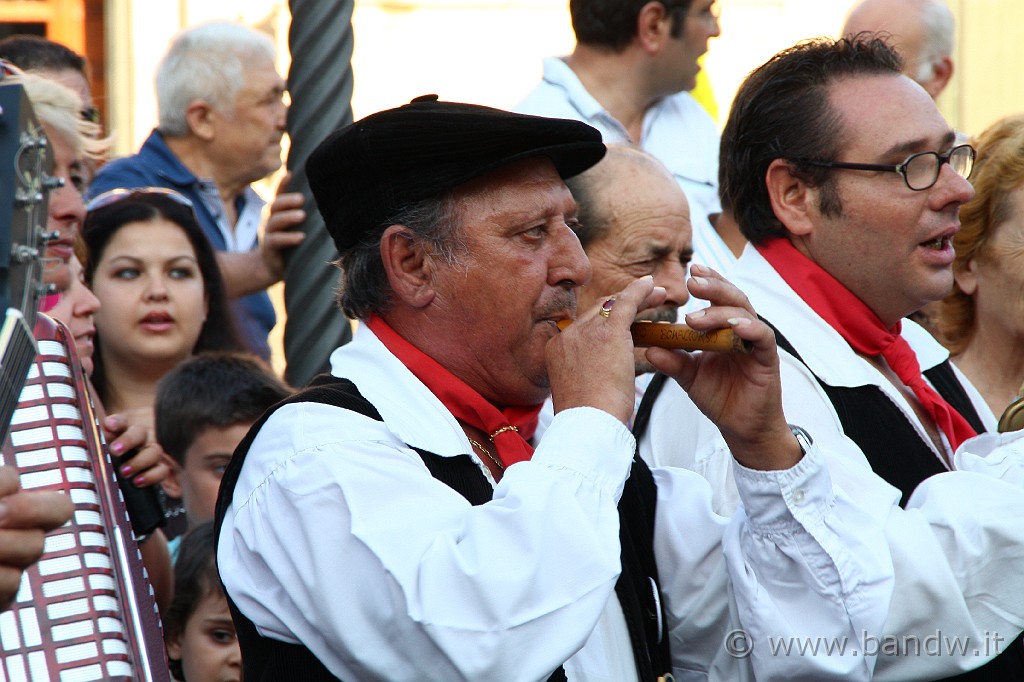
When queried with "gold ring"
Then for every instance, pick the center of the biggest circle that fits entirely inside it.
(606, 308)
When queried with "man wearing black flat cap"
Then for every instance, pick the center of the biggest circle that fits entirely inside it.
(397, 521)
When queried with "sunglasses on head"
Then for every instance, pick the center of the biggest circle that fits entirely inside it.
(121, 193)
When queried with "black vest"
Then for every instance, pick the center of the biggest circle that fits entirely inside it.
(895, 452)
(265, 659)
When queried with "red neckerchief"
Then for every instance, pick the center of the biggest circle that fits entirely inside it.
(508, 429)
(862, 329)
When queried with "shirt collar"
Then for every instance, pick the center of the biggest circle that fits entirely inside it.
(412, 413)
(559, 74)
(820, 346)
(169, 166)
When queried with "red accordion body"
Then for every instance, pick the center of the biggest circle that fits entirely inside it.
(86, 610)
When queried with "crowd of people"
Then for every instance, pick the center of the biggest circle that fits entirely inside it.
(480, 490)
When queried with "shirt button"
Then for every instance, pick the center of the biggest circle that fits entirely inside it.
(798, 497)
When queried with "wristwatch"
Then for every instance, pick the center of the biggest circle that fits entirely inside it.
(802, 438)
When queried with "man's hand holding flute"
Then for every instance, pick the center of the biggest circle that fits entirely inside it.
(739, 391)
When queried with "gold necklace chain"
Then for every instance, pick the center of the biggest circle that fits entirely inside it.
(487, 452)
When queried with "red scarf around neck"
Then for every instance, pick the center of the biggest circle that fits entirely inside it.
(862, 329)
(508, 429)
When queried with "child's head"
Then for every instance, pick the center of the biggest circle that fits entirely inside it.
(198, 631)
(204, 407)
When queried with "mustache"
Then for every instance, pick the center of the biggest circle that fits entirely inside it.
(561, 301)
(662, 314)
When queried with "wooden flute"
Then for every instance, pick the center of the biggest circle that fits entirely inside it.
(680, 336)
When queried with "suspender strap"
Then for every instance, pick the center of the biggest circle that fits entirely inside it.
(944, 379)
(265, 659)
(643, 413)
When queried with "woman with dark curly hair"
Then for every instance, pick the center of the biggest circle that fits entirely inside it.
(982, 320)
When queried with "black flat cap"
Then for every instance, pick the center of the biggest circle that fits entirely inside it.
(365, 172)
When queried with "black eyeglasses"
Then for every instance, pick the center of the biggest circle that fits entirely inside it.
(920, 171)
(122, 193)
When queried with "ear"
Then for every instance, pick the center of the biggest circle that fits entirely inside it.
(408, 266)
(942, 72)
(966, 278)
(652, 26)
(173, 645)
(200, 115)
(172, 483)
(793, 201)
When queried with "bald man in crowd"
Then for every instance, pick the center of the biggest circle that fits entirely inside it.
(634, 222)
(922, 31)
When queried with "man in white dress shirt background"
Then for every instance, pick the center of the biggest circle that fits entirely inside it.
(629, 76)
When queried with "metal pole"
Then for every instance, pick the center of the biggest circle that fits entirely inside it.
(320, 83)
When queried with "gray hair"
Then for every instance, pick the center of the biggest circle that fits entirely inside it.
(206, 62)
(363, 286)
(937, 20)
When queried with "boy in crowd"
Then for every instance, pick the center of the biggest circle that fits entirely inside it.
(204, 407)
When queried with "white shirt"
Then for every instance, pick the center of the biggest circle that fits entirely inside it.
(944, 583)
(640, 384)
(677, 130)
(244, 234)
(339, 538)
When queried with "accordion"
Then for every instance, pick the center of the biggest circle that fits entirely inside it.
(86, 610)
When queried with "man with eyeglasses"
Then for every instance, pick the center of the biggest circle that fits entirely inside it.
(923, 31)
(629, 77)
(847, 182)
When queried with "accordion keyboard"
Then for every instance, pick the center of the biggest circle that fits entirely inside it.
(85, 611)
